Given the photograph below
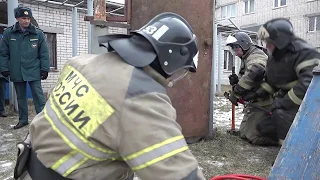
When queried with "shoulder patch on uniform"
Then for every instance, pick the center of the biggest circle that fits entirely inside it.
(141, 83)
(8, 28)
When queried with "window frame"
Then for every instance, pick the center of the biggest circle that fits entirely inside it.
(53, 50)
(247, 4)
(316, 19)
(279, 4)
(227, 7)
(226, 63)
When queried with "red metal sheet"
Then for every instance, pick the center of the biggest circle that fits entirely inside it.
(191, 96)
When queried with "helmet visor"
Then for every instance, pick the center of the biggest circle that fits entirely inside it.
(231, 40)
(233, 47)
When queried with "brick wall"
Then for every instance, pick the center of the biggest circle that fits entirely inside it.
(62, 18)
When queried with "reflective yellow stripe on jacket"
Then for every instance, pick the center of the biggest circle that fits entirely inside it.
(294, 98)
(307, 63)
(74, 119)
(267, 87)
(287, 86)
(156, 153)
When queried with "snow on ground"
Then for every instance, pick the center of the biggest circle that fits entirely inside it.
(8, 151)
(222, 113)
(5, 165)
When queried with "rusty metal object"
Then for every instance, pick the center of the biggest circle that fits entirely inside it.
(127, 14)
(110, 24)
(116, 19)
(233, 126)
(128, 6)
(100, 10)
(190, 96)
(101, 18)
(208, 42)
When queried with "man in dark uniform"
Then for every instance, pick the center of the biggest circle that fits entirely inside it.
(24, 56)
(288, 73)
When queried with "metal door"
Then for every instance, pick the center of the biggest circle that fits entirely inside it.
(191, 96)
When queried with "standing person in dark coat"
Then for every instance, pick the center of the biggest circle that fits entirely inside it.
(24, 58)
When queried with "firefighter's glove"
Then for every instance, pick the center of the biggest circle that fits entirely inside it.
(277, 104)
(260, 93)
(250, 96)
(5, 73)
(44, 75)
(239, 90)
(233, 79)
(283, 103)
(233, 99)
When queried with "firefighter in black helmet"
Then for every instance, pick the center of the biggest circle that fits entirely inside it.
(110, 115)
(251, 74)
(174, 50)
(289, 72)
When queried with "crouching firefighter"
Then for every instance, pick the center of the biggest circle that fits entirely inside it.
(109, 115)
(251, 74)
(288, 73)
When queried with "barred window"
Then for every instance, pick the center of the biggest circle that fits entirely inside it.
(51, 39)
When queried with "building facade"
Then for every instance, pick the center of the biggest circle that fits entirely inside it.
(251, 14)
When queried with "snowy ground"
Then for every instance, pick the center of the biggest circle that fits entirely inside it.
(222, 113)
(224, 154)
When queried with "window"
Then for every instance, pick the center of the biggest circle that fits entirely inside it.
(51, 39)
(249, 6)
(279, 3)
(228, 60)
(228, 11)
(314, 23)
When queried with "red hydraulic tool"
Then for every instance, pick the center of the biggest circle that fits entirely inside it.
(233, 131)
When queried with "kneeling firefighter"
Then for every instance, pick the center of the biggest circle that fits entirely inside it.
(251, 74)
(288, 73)
(109, 115)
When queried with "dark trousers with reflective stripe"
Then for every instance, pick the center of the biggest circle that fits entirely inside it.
(283, 120)
(38, 171)
(278, 125)
(37, 95)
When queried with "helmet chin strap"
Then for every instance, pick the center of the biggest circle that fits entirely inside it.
(160, 79)
(170, 84)
(157, 76)
(174, 80)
